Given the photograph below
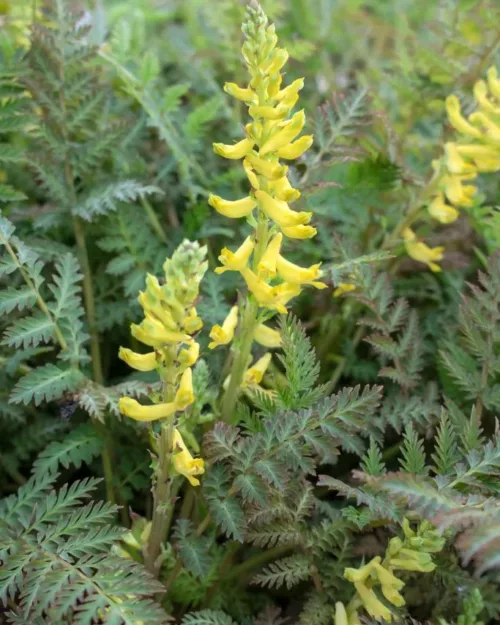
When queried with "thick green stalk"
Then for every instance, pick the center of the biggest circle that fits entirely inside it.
(162, 493)
(247, 330)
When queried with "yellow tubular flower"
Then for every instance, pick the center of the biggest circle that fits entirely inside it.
(193, 323)
(299, 275)
(141, 362)
(268, 169)
(343, 287)
(486, 158)
(222, 335)
(267, 264)
(297, 148)
(138, 333)
(232, 209)
(283, 294)
(299, 232)
(185, 394)
(187, 357)
(454, 161)
(442, 212)
(456, 192)
(293, 88)
(153, 286)
(372, 604)
(268, 112)
(236, 151)
(267, 337)
(236, 261)
(481, 95)
(286, 135)
(253, 376)
(157, 331)
(340, 614)
(252, 176)
(457, 120)
(245, 95)
(133, 409)
(421, 252)
(263, 292)
(283, 190)
(492, 129)
(493, 82)
(183, 461)
(155, 308)
(279, 211)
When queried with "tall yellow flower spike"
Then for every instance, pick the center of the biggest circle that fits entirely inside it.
(272, 134)
(411, 554)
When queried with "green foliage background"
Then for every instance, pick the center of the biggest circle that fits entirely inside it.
(108, 111)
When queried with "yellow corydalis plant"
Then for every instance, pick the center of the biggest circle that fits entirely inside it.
(170, 320)
(413, 553)
(272, 135)
(476, 150)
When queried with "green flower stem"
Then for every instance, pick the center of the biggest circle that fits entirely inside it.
(247, 329)
(163, 490)
(153, 218)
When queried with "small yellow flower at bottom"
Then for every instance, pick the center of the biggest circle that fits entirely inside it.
(253, 376)
(185, 394)
(232, 209)
(340, 614)
(342, 288)
(183, 461)
(421, 252)
(133, 409)
(372, 604)
(141, 362)
(222, 335)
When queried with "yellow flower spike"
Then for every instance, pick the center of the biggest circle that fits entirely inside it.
(340, 614)
(236, 151)
(454, 161)
(222, 335)
(299, 275)
(187, 357)
(456, 192)
(372, 604)
(285, 135)
(457, 120)
(232, 209)
(299, 232)
(268, 169)
(283, 190)
(157, 331)
(493, 82)
(193, 323)
(296, 149)
(141, 362)
(185, 394)
(267, 337)
(481, 95)
(236, 261)
(280, 212)
(245, 95)
(342, 288)
(251, 175)
(442, 212)
(133, 409)
(183, 461)
(421, 252)
(292, 89)
(255, 373)
(267, 264)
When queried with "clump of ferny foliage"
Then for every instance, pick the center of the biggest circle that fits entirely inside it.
(261, 389)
